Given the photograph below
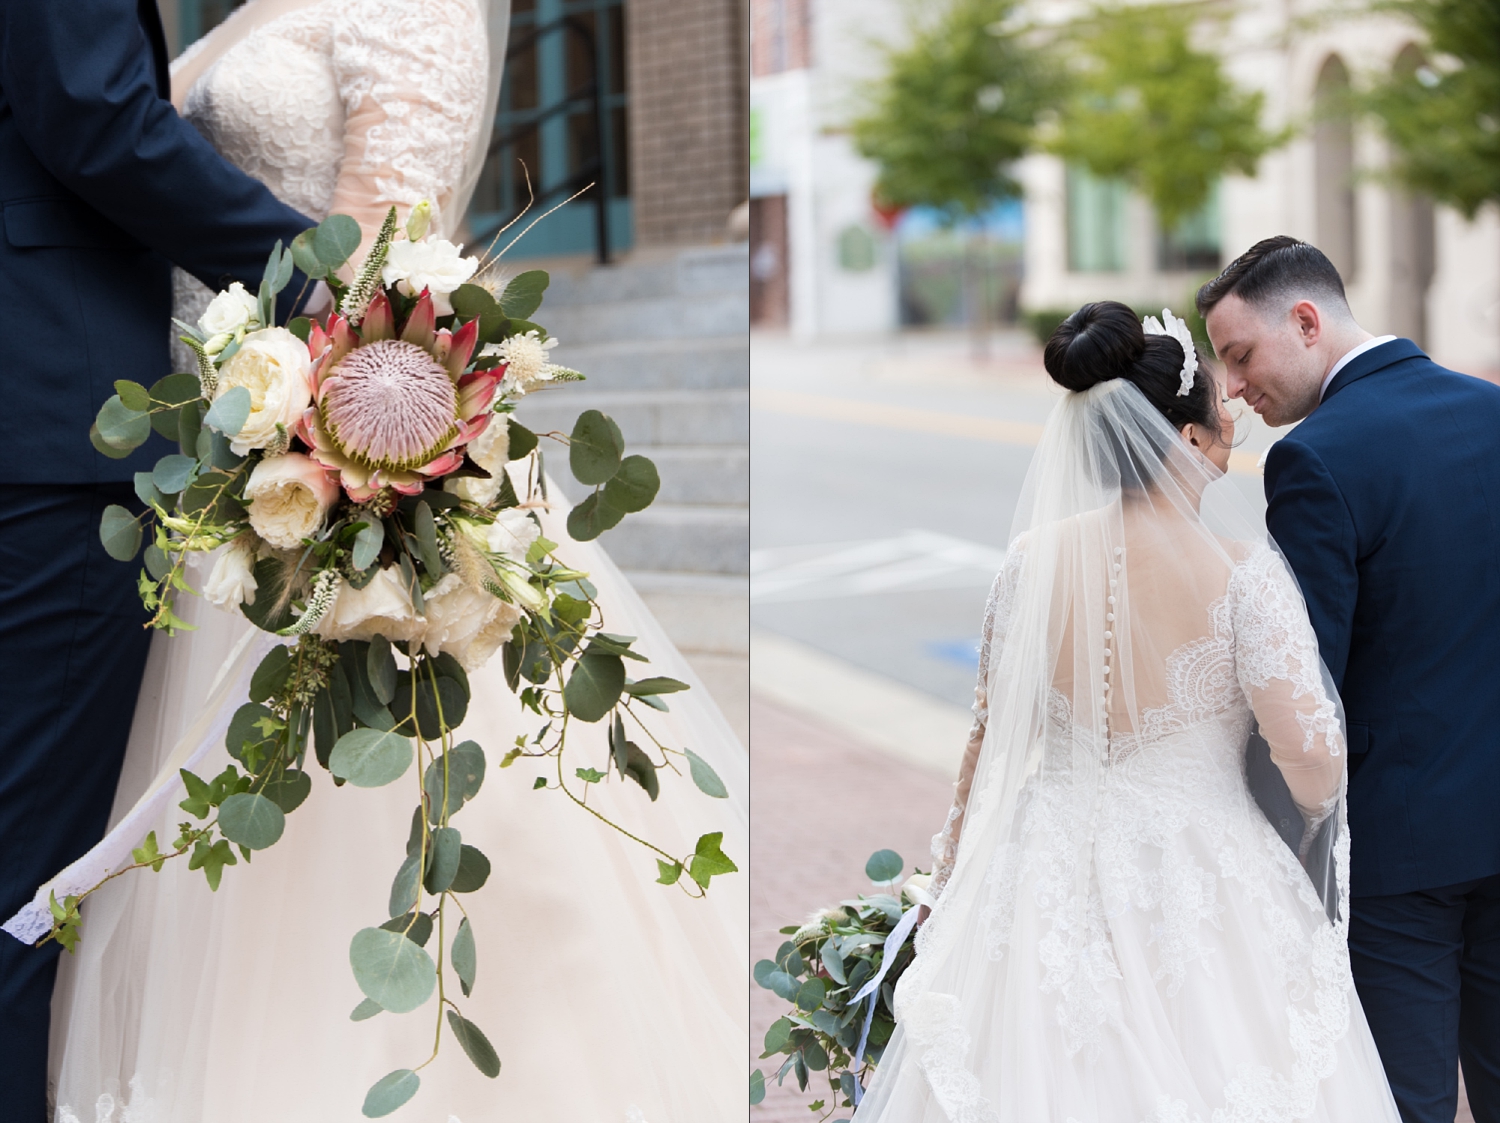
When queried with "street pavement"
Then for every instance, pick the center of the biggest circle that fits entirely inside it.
(884, 476)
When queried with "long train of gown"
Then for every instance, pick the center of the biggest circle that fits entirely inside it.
(608, 997)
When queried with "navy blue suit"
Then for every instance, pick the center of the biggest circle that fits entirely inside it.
(1386, 502)
(102, 187)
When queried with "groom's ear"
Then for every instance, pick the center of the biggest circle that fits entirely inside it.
(1308, 321)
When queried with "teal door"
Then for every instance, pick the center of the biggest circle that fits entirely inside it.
(549, 127)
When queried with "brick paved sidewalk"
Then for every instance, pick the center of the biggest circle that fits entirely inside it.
(822, 802)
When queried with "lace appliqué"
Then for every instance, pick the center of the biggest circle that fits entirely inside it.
(107, 1109)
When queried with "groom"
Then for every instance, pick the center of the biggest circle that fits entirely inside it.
(102, 186)
(1386, 503)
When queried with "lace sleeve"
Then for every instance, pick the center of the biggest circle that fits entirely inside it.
(996, 617)
(1276, 659)
(412, 79)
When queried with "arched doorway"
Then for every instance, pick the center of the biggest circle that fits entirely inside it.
(1413, 238)
(1333, 147)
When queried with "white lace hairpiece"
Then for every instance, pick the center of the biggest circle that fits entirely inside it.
(1179, 331)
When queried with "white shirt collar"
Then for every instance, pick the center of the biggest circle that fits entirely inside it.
(1368, 345)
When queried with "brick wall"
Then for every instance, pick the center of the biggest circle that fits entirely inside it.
(689, 109)
(780, 36)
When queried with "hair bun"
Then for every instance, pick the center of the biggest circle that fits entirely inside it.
(1097, 343)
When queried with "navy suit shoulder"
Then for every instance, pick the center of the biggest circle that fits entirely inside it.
(102, 187)
(1386, 501)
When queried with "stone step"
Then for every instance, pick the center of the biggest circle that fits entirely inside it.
(683, 539)
(646, 417)
(712, 363)
(693, 475)
(668, 317)
(709, 270)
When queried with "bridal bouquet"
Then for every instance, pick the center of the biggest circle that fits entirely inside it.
(839, 970)
(368, 496)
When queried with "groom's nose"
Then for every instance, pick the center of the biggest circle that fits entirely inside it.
(1234, 384)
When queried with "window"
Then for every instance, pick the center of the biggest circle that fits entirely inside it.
(1194, 244)
(1096, 222)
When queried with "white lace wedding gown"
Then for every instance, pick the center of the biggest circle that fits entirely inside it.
(608, 997)
(1121, 936)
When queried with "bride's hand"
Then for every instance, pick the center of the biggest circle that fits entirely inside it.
(923, 912)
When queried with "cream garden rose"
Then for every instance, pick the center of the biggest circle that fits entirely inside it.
(469, 624)
(289, 497)
(381, 608)
(512, 534)
(231, 582)
(229, 311)
(272, 364)
(437, 266)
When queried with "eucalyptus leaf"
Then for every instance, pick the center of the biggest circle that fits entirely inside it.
(157, 562)
(593, 517)
(335, 240)
(471, 301)
(473, 871)
(121, 426)
(289, 790)
(655, 685)
(251, 820)
(404, 887)
(594, 448)
(370, 758)
(229, 411)
(475, 1044)
(884, 865)
(103, 446)
(189, 422)
(416, 927)
(447, 852)
(366, 1009)
(120, 532)
(245, 728)
(427, 543)
(173, 472)
(272, 673)
(305, 256)
(272, 608)
(391, 969)
(367, 544)
(392, 1091)
(705, 777)
(523, 295)
(133, 395)
(633, 488)
(465, 957)
(380, 666)
(176, 390)
(146, 491)
(521, 440)
(594, 686)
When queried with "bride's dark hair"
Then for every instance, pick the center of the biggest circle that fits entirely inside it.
(1104, 340)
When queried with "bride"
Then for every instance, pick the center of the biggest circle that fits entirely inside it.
(1120, 934)
(607, 996)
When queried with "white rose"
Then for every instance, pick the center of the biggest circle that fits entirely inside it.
(272, 364)
(289, 497)
(469, 624)
(916, 888)
(232, 582)
(512, 534)
(490, 450)
(438, 266)
(231, 310)
(381, 608)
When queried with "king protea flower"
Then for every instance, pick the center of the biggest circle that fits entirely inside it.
(393, 411)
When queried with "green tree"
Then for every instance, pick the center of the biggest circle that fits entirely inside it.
(953, 109)
(1443, 118)
(1148, 107)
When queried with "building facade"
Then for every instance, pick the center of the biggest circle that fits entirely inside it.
(646, 99)
(1410, 268)
(821, 260)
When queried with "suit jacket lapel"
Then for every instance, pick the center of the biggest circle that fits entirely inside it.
(1377, 358)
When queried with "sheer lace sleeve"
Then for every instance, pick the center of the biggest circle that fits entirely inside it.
(996, 616)
(412, 79)
(1276, 660)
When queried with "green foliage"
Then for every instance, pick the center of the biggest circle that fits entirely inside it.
(464, 957)
(251, 820)
(954, 109)
(229, 412)
(391, 970)
(1147, 106)
(1443, 117)
(705, 777)
(475, 1044)
(390, 1092)
(709, 860)
(818, 971)
(371, 758)
(595, 448)
(523, 295)
(120, 532)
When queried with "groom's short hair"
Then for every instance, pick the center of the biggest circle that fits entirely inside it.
(1277, 271)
